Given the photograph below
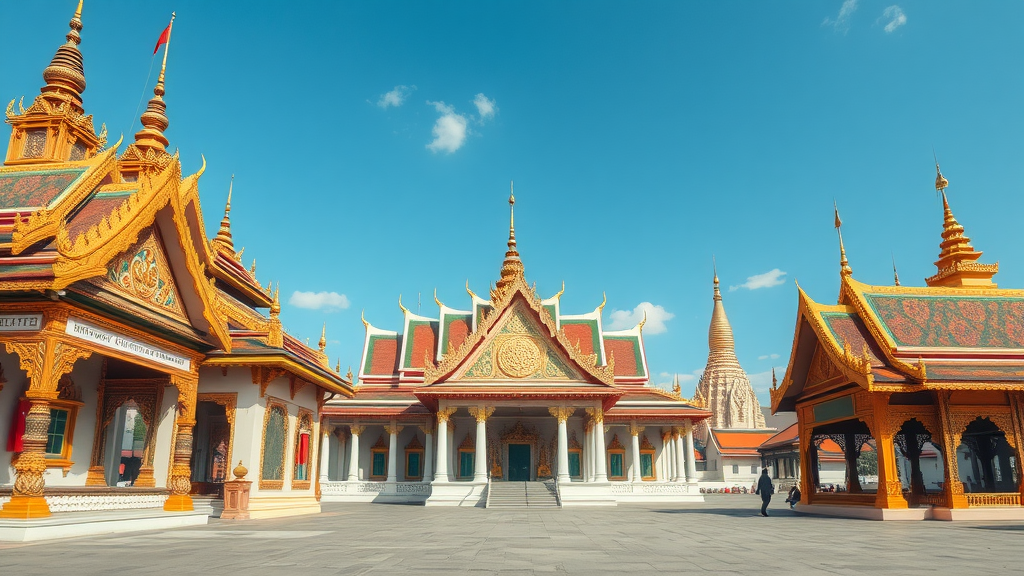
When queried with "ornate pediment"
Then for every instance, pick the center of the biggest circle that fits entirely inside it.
(142, 274)
(822, 368)
(519, 348)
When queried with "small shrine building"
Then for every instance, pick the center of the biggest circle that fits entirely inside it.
(898, 367)
(137, 366)
(509, 390)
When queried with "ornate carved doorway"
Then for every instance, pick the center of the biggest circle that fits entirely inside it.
(211, 447)
(519, 462)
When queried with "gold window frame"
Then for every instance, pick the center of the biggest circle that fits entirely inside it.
(274, 484)
(303, 423)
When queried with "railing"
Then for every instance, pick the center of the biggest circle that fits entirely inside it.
(993, 499)
(843, 499)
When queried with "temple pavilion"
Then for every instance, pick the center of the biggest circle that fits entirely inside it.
(900, 367)
(138, 367)
(510, 390)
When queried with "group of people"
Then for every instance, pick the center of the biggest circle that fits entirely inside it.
(765, 489)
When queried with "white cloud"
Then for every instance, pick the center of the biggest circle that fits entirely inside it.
(485, 106)
(449, 130)
(656, 318)
(894, 14)
(326, 301)
(767, 356)
(842, 21)
(771, 278)
(395, 97)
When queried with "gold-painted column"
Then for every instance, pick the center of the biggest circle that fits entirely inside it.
(890, 489)
(952, 488)
(808, 465)
(44, 362)
(181, 472)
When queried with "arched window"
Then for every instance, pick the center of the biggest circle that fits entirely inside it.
(275, 434)
(646, 459)
(616, 459)
(303, 451)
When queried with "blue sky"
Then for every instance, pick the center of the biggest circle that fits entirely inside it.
(643, 138)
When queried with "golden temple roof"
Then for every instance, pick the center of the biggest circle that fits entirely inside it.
(957, 264)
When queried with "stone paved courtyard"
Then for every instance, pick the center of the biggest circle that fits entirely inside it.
(722, 536)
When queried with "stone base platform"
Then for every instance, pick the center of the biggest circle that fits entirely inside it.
(71, 524)
(987, 513)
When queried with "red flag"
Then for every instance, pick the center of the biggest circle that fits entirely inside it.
(164, 36)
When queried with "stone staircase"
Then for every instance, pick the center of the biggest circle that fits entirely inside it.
(522, 495)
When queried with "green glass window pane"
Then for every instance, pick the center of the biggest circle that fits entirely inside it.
(616, 465)
(55, 433)
(273, 445)
(380, 464)
(412, 468)
(465, 464)
(574, 465)
(646, 465)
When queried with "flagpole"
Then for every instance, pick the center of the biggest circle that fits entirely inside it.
(167, 45)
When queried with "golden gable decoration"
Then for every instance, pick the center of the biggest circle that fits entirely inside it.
(142, 274)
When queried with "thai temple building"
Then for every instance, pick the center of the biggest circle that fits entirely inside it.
(139, 368)
(509, 401)
(908, 369)
(729, 439)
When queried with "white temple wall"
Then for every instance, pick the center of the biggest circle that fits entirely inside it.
(85, 375)
(247, 432)
(167, 415)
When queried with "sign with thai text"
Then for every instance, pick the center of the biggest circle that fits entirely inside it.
(114, 341)
(21, 322)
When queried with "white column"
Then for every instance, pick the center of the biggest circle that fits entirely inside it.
(481, 414)
(353, 453)
(677, 438)
(392, 430)
(588, 454)
(562, 414)
(443, 414)
(325, 451)
(635, 431)
(600, 456)
(691, 466)
(667, 469)
(428, 456)
(342, 450)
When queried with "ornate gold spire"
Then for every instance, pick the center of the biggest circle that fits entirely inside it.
(720, 332)
(154, 119)
(957, 264)
(895, 274)
(65, 76)
(844, 264)
(322, 344)
(223, 239)
(512, 267)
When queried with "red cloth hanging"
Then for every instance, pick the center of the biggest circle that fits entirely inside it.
(16, 436)
(303, 454)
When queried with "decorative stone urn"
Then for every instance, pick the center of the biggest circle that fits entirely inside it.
(236, 495)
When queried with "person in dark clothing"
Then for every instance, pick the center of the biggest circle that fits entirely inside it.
(794, 497)
(765, 489)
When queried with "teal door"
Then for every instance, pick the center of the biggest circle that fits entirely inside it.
(519, 462)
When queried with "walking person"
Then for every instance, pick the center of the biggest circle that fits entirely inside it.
(794, 497)
(765, 489)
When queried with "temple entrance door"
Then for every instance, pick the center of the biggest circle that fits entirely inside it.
(210, 446)
(519, 462)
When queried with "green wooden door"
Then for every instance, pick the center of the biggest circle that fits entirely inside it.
(519, 462)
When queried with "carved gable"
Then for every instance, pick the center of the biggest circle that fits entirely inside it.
(822, 369)
(142, 274)
(520, 348)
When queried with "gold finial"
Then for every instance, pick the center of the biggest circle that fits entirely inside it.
(239, 471)
(404, 309)
(252, 269)
(844, 264)
(471, 294)
(362, 316)
(65, 76)
(940, 182)
(436, 301)
(512, 267)
(895, 274)
(958, 261)
(562, 291)
(275, 307)
(719, 332)
(348, 375)
(676, 388)
(775, 382)
(604, 300)
(154, 119)
(223, 239)
(714, 267)
(337, 367)
(322, 344)
(640, 326)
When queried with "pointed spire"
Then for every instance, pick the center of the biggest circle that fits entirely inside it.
(512, 267)
(65, 76)
(154, 119)
(718, 292)
(844, 264)
(322, 344)
(720, 332)
(275, 307)
(775, 381)
(957, 264)
(223, 238)
(895, 274)
(337, 367)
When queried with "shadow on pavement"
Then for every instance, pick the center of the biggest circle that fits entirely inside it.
(735, 512)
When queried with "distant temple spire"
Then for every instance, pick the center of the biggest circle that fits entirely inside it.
(895, 274)
(223, 239)
(957, 264)
(720, 332)
(512, 267)
(65, 76)
(844, 264)
(154, 119)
